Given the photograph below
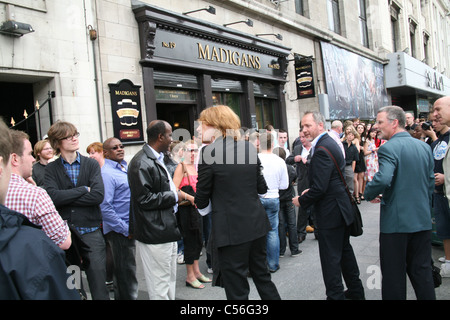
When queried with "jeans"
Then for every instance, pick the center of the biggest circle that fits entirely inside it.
(287, 217)
(124, 256)
(272, 207)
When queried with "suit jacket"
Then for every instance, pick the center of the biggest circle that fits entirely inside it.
(152, 218)
(229, 174)
(327, 191)
(406, 180)
(75, 203)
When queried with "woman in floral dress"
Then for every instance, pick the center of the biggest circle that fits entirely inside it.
(371, 155)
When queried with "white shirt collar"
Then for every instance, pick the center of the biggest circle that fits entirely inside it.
(314, 142)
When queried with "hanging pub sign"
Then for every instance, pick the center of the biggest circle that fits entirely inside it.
(126, 111)
(304, 79)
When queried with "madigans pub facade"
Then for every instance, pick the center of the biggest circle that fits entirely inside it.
(189, 65)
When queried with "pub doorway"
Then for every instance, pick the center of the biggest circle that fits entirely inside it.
(179, 116)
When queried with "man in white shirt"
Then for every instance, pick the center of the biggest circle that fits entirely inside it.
(276, 176)
(335, 133)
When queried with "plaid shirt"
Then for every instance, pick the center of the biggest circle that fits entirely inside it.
(35, 203)
(73, 169)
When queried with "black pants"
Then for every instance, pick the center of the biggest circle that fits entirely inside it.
(338, 261)
(406, 253)
(235, 261)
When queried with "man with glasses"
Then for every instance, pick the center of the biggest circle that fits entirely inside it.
(116, 217)
(405, 212)
(74, 182)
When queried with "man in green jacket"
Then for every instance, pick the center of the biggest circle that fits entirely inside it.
(406, 181)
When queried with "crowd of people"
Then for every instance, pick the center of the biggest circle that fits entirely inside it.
(229, 189)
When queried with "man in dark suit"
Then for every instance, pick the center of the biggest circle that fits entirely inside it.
(229, 180)
(333, 212)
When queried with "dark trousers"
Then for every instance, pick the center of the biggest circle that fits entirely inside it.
(338, 261)
(96, 272)
(124, 256)
(235, 262)
(406, 253)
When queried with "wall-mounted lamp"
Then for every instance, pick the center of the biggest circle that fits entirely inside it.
(16, 29)
(247, 22)
(277, 35)
(210, 9)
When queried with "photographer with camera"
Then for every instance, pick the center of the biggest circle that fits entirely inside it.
(424, 131)
(429, 131)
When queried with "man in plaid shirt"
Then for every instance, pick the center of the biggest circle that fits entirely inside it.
(33, 202)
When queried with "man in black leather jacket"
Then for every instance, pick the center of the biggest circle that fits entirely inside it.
(153, 222)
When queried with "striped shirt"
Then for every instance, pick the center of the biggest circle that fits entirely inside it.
(35, 203)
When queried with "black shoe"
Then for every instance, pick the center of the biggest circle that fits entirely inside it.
(296, 253)
(353, 296)
(273, 271)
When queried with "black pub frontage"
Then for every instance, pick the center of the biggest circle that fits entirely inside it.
(189, 65)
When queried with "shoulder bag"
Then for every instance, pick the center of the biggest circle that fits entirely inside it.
(356, 228)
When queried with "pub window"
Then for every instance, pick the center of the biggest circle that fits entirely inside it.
(334, 21)
(227, 92)
(363, 23)
(265, 112)
(266, 97)
(231, 100)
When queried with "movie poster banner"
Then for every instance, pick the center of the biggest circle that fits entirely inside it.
(126, 111)
(355, 84)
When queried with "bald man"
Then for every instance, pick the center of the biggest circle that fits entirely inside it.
(441, 112)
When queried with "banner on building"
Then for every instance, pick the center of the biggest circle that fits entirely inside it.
(126, 111)
(355, 84)
(304, 78)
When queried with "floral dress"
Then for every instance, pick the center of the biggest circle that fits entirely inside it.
(371, 161)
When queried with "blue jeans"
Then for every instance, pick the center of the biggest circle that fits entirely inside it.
(272, 207)
(287, 218)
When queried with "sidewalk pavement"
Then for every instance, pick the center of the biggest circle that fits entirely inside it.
(300, 277)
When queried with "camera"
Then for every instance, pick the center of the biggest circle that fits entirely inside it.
(426, 125)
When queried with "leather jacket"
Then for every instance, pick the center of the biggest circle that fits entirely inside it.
(152, 217)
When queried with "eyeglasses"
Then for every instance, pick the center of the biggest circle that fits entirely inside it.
(117, 147)
(71, 137)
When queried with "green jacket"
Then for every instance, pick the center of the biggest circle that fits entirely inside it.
(406, 181)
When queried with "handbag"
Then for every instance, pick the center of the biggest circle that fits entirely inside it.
(356, 228)
(185, 202)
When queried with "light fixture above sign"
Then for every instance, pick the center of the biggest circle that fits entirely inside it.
(15, 29)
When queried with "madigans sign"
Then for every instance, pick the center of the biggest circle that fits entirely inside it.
(126, 111)
(213, 55)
